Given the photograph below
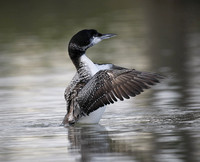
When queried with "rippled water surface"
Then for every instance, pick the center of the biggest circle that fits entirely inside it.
(162, 124)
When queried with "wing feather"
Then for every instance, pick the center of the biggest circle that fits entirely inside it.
(107, 86)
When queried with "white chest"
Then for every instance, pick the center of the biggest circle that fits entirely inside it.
(89, 65)
(93, 68)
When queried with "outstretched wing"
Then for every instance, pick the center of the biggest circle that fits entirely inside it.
(107, 86)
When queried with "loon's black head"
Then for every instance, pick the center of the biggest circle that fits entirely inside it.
(84, 39)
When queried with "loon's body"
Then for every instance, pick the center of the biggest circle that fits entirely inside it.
(96, 85)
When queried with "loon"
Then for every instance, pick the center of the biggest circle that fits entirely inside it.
(96, 85)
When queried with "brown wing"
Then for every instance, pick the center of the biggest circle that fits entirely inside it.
(107, 86)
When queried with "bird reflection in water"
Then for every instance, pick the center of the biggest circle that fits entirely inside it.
(95, 141)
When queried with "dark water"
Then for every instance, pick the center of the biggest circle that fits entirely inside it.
(162, 124)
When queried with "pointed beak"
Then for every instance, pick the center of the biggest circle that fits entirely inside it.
(106, 36)
(100, 38)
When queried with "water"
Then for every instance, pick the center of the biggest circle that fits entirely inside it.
(161, 124)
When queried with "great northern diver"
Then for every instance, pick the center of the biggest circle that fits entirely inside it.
(97, 85)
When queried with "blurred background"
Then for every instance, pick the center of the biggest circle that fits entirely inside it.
(160, 125)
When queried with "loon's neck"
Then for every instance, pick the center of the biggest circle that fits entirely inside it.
(87, 65)
(84, 66)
